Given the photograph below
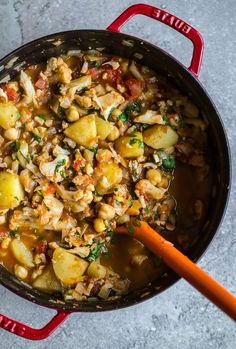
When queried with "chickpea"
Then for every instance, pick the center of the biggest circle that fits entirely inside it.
(114, 134)
(106, 212)
(154, 176)
(72, 114)
(8, 160)
(99, 225)
(11, 134)
(20, 271)
(103, 155)
(164, 183)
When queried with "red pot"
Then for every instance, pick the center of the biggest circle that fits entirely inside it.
(186, 79)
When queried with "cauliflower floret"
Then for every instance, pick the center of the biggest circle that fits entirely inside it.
(3, 95)
(61, 72)
(150, 117)
(54, 170)
(108, 102)
(26, 83)
(28, 218)
(84, 101)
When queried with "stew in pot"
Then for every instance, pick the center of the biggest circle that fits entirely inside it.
(87, 141)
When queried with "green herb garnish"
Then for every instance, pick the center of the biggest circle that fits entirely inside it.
(145, 126)
(60, 163)
(16, 146)
(94, 150)
(122, 117)
(136, 224)
(41, 116)
(166, 120)
(146, 210)
(96, 252)
(37, 138)
(13, 233)
(129, 228)
(18, 116)
(132, 107)
(137, 141)
(91, 110)
(94, 64)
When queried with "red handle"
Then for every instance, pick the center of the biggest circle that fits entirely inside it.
(170, 20)
(33, 333)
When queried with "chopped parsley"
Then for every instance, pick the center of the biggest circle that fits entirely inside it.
(37, 138)
(146, 210)
(136, 224)
(93, 150)
(91, 110)
(94, 64)
(129, 228)
(95, 253)
(60, 163)
(41, 116)
(169, 163)
(145, 126)
(166, 120)
(137, 141)
(18, 116)
(122, 117)
(13, 233)
(16, 146)
(132, 107)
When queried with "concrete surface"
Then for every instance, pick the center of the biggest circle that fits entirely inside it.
(179, 318)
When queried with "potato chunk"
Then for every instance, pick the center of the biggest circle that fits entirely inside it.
(22, 253)
(68, 267)
(130, 146)
(47, 281)
(104, 128)
(160, 137)
(11, 191)
(107, 175)
(83, 131)
(8, 115)
(96, 270)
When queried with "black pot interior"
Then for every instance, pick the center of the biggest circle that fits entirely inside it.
(113, 43)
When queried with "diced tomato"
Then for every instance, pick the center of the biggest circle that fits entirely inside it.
(41, 84)
(112, 74)
(50, 190)
(42, 246)
(12, 94)
(4, 234)
(94, 72)
(135, 88)
(77, 164)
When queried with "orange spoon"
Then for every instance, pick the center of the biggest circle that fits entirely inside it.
(183, 266)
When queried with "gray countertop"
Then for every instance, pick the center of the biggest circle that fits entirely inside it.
(180, 317)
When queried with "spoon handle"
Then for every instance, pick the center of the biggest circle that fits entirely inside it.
(183, 266)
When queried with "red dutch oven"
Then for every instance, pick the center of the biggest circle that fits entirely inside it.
(185, 79)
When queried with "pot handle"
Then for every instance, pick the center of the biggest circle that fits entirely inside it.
(170, 20)
(27, 332)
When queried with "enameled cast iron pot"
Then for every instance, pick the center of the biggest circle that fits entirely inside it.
(186, 79)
